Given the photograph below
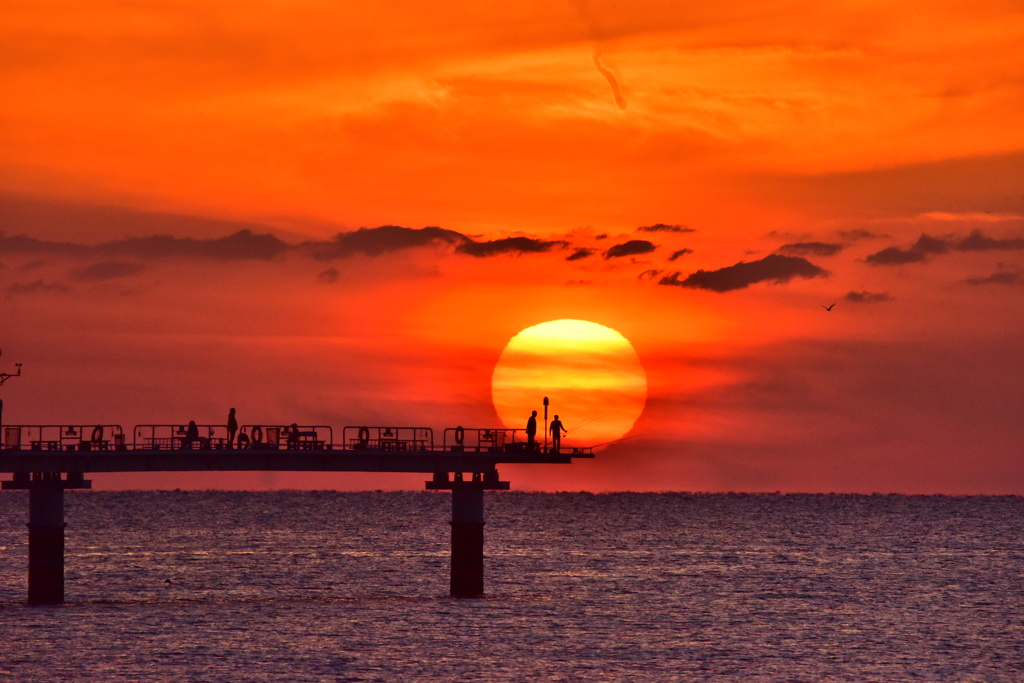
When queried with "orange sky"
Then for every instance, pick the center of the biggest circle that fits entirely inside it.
(815, 145)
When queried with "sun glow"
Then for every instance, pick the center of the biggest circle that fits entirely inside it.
(591, 374)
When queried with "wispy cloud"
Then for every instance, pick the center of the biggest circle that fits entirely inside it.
(1003, 277)
(328, 276)
(109, 270)
(866, 297)
(811, 248)
(856, 234)
(36, 287)
(664, 227)
(620, 101)
(969, 217)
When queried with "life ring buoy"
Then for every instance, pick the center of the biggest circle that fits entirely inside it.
(460, 435)
(364, 435)
(257, 434)
(97, 433)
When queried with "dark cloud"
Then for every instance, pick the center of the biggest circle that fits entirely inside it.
(247, 245)
(328, 276)
(580, 253)
(868, 297)
(50, 217)
(772, 268)
(927, 245)
(662, 227)
(22, 244)
(602, 236)
(509, 245)
(893, 256)
(109, 270)
(630, 248)
(678, 253)
(811, 248)
(1003, 277)
(36, 287)
(382, 240)
(977, 241)
(918, 253)
(243, 244)
(649, 274)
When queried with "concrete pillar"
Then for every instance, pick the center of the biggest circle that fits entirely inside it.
(46, 540)
(467, 539)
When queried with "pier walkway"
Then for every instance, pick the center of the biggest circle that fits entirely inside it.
(46, 460)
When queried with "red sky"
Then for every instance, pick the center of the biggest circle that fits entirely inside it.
(863, 153)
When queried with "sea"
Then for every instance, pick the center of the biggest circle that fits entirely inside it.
(330, 586)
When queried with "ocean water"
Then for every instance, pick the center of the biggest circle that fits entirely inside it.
(325, 586)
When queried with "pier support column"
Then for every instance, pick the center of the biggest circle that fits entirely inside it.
(46, 532)
(467, 539)
(46, 541)
(467, 579)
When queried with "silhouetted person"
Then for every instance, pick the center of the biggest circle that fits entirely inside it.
(531, 431)
(556, 433)
(293, 436)
(232, 428)
(191, 435)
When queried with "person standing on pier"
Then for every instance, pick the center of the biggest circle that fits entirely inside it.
(232, 427)
(531, 432)
(556, 433)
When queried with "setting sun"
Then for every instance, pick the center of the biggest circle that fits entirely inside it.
(590, 373)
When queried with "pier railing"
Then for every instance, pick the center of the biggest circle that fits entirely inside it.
(388, 438)
(272, 437)
(294, 436)
(99, 437)
(165, 437)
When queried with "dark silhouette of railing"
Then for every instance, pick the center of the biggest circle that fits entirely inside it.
(272, 437)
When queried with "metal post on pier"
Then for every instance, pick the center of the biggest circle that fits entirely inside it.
(46, 532)
(467, 578)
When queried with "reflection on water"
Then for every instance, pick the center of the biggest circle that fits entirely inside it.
(322, 586)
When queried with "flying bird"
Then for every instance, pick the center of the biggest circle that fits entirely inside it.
(827, 308)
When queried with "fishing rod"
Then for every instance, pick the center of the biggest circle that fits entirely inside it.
(625, 438)
(593, 419)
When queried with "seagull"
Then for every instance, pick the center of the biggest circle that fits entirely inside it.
(828, 308)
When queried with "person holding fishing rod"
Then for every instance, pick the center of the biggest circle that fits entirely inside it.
(556, 433)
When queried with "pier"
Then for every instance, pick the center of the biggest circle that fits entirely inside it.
(46, 460)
